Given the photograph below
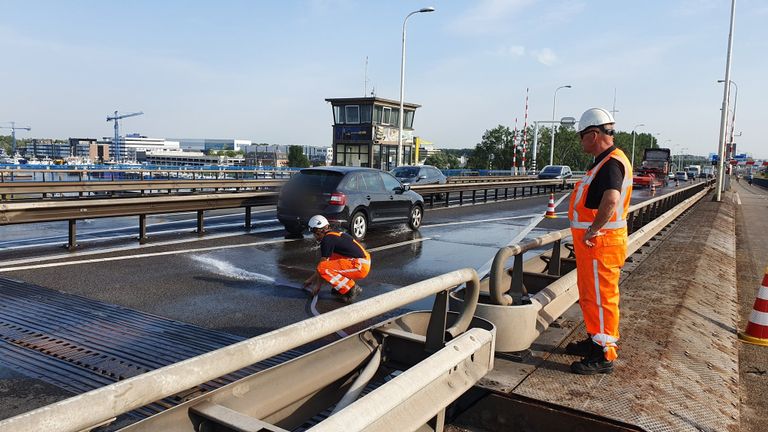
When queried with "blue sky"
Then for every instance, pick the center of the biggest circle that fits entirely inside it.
(261, 70)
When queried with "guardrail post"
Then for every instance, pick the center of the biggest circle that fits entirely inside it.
(248, 217)
(435, 337)
(200, 222)
(72, 236)
(142, 229)
(554, 260)
(518, 289)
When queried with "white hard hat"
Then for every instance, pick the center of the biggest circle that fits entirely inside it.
(595, 117)
(317, 221)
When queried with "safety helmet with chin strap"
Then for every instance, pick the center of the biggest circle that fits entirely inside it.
(317, 221)
(595, 117)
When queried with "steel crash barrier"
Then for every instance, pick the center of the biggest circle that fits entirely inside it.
(522, 301)
(67, 189)
(72, 210)
(410, 368)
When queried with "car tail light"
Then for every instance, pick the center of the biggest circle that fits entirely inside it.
(338, 198)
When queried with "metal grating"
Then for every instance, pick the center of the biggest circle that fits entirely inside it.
(80, 344)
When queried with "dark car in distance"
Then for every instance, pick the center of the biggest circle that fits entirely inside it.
(352, 197)
(555, 172)
(419, 175)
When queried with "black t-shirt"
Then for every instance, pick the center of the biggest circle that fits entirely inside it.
(342, 244)
(610, 176)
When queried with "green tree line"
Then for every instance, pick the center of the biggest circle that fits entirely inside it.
(495, 150)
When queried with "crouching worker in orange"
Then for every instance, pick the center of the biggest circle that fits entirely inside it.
(343, 261)
(598, 215)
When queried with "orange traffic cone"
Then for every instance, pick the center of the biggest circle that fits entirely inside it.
(551, 207)
(757, 327)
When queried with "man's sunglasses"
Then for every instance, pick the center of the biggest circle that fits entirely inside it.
(601, 128)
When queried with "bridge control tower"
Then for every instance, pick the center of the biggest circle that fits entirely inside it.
(365, 131)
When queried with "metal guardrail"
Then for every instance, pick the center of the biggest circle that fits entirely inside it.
(10, 189)
(529, 314)
(96, 407)
(73, 209)
(639, 216)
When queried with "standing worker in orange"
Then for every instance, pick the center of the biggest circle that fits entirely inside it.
(343, 261)
(598, 215)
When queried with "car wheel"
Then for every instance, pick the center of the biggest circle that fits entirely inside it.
(415, 218)
(358, 225)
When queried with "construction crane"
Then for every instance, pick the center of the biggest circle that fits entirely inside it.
(116, 118)
(13, 128)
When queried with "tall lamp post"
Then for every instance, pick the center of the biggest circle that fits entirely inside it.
(733, 115)
(402, 86)
(552, 142)
(634, 135)
(724, 109)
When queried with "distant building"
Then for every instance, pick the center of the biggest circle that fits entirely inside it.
(365, 132)
(132, 143)
(81, 147)
(184, 158)
(45, 149)
(207, 144)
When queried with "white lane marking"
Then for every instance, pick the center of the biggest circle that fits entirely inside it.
(132, 235)
(478, 221)
(394, 245)
(127, 248)
(153, 254)
(485, 269)
(133, 226)
(736, 198)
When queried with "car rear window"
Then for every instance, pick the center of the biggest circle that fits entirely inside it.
(551, 170)
(405, 172)
(324, 181)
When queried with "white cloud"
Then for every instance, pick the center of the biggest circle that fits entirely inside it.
(545, 56)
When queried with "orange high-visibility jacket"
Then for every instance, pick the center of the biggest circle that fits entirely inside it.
(341, 271)
(598, 267)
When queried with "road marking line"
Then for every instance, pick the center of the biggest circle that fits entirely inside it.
(394, 245)
(485, 269)
(153, 254)
(476, 221)
(736, 198)
(134, 235)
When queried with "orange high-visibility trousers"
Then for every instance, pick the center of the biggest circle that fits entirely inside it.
(598, 269)
(341, 272)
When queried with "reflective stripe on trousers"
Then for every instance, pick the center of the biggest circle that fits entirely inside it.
(598, 269)
(341, 272)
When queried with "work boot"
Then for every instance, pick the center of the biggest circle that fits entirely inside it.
(593, 363)
(580, 348)
(349, 296)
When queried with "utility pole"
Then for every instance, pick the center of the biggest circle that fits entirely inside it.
(116, 118)
(724, 109)
(13, 128)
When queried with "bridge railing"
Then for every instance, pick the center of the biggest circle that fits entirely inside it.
(96, 407)
(532, 312)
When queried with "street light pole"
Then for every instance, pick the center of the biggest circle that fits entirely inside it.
(402, 86)
(552, 142)
(729, 144)
(724, 112)
(634, 135)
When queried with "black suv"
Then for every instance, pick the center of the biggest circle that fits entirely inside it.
(348, 196)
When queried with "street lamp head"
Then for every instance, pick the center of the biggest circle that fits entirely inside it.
(567, 86)
(427, 9)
